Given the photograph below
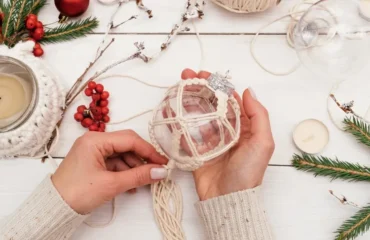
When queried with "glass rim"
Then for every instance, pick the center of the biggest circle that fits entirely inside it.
(34, 99)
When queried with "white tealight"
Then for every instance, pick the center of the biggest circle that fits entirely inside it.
(364, 8)
(311, 136)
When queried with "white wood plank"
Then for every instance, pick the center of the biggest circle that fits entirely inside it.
(289, 99)
(168, 13)
(298, 205)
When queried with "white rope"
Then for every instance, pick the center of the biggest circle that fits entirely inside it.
(246, 6)
(168, 207)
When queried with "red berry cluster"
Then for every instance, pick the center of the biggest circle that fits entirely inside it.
(36, 29)
(94, 117)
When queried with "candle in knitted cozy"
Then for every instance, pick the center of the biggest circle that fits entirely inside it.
(33, 134)
(198, 120)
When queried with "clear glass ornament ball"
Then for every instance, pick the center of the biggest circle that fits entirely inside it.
(333, 37)
(186, 124)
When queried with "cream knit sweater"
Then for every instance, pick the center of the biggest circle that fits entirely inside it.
(45, 216)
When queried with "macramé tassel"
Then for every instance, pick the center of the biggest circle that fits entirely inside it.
(168, 207)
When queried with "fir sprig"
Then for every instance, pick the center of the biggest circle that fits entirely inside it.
(333, 168)
(358, 224)
(69, 31)
(359, 129)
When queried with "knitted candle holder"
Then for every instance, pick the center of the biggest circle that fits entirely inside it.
(29, 138)
(197, 121)
(246, 6)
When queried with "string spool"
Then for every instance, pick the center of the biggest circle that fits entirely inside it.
(246, 6)
(197, 121)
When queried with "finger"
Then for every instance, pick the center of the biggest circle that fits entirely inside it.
(132, 160)
(204, 74)
(188, 73)
(116, 164)
(258, 115)
(140, 176)
(120, 142)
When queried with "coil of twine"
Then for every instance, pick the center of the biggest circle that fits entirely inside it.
(246, 6)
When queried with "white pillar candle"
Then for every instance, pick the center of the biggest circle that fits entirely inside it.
(364, 8)
(311, 136)
(15, 97)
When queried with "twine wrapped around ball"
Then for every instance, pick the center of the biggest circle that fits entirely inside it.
(246, 6)
(197, 121)
(30, 138)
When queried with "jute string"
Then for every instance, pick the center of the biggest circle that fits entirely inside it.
(246, 6)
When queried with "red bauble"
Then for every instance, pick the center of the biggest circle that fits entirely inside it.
(72, 8)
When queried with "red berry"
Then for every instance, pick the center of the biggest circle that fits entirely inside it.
(78, 117)
(81, 109)
(98, 117)
(94, 127)
(104, 95)
(38, 34)
(32, 16)
(105, 110)
(38, 52)
(102, 125)
(87, 122)
(99, 88)
(30, 24)
(92, 104)
(39, 25)
(106, 118)
(91, 85)
(88, 92)
(96, 96)
(103, 103)
(37, 45)
(96, 111)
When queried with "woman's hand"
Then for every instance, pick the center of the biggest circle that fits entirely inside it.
(101, 165)
(244, 165)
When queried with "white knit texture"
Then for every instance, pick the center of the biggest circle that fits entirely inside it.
(43, 216)
(30, 138)
(236, 216)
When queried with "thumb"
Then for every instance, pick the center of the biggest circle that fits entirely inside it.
(140, 176)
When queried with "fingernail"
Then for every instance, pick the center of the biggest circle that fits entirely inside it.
(252, 92)
(158, 173)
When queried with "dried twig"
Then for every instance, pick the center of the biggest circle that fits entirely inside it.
(193, 10)
(343, 200)
(347, 107)
(79, 80)
(140, 4)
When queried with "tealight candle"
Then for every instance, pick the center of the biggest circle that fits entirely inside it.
(17, 93)
(311, 136)
(15, 97)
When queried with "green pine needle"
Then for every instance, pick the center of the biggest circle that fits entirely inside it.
(355, 226)
(359, 129)
(69, 31)
(335, 169)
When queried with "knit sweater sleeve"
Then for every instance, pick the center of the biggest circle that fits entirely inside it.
(236, 216)
(43, 216)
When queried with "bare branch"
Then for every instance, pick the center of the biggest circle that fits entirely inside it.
(343, 200)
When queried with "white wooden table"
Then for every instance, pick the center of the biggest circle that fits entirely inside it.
(299, 205)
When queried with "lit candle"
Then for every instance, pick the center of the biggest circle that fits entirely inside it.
(15, 97)
(311, 136)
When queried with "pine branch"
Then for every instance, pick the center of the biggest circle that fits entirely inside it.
(3, 6)
(66, 32)
(335, 169)
(355, 226)
(8, 27)
(359, 129)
